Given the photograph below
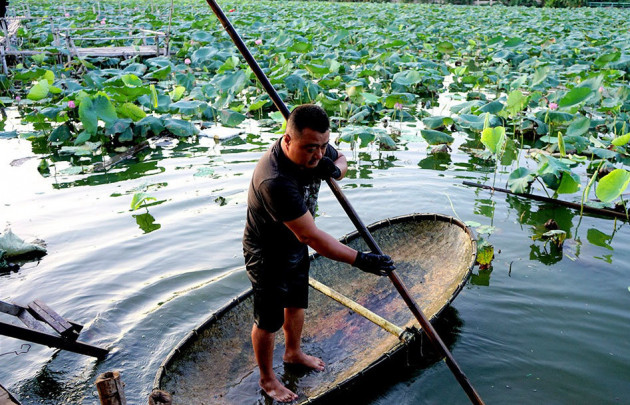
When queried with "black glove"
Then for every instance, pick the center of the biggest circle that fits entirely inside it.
(326, 168)
(381, 265)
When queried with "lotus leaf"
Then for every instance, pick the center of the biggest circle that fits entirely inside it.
(180, 128)
(611, 186)
(493, 139)
(88, 117)
(39, 91)
(437, 122)
(159, 74)
(622, 140)
(436, 137)
(605, 59)
(574, 97)
(132, 111)
(148, 125)
(579, 126)
(231, 118)
(60, 134)
(399, 98)
(569, 183)
(520, 180)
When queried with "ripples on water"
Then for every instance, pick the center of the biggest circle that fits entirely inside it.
(539, 326)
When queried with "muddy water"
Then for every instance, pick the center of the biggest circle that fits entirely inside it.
(541, 326)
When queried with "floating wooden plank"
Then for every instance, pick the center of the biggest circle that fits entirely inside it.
(19, 311)
(46, 314)
(30, 321)
(6, 398)
(140, 50)
(50, 340)
(9, 308)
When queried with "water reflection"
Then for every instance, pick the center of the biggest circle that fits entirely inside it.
(537, 214)
(146, 222)
(404, 367)
(436, 161)
(45, 384)
(482, 278)
(132, 171)
(363, 165)
(599, 238)
(143, 163)
(485, 207)
(548, 253)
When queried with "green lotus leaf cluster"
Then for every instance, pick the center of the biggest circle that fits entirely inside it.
(550, 81)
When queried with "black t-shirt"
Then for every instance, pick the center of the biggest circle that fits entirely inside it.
(280, 191)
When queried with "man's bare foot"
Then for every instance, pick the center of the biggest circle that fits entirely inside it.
(277, 391)
(304, 359)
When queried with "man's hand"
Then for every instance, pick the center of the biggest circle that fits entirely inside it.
(381, 265)
(326, 168)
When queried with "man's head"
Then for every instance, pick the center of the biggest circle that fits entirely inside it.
(307, 135)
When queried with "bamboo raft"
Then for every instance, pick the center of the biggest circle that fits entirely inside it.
(66, 40)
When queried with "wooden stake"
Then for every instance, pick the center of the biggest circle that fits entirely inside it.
(110, 389)
(159, 397)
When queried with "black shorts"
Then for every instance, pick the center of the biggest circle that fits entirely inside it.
(276, 286)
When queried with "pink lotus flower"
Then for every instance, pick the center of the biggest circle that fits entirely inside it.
(601, 89)
(187, 61)
(71, 104)
(553, 106)
(398, 106)
(232, 10)
(103, 21)
(18, 98)
(67, 14)
(258, 41)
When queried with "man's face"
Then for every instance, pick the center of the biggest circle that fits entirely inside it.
(306, 150)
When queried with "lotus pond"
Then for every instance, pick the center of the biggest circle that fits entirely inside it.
(422, 97)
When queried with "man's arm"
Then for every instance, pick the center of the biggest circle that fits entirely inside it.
(342, 164)
(307, 232)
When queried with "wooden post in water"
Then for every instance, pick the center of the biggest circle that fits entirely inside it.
(159, 397)
(110, 389)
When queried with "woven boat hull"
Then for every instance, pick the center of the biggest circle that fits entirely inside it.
(434, 255)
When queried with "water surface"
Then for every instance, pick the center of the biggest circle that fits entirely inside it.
(542, 325)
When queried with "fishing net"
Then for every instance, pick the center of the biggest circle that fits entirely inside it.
(433, 256)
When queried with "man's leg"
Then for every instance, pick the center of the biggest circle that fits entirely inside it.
(263, 342)
(293, 354)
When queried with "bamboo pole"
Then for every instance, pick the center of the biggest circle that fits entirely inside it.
(110, 389)
(5, 68)
(587, 208)
(363, 231)
(356, 307)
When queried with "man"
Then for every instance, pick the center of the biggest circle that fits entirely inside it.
(280, 227)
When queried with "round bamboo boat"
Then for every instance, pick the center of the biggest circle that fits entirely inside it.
(434, 255)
